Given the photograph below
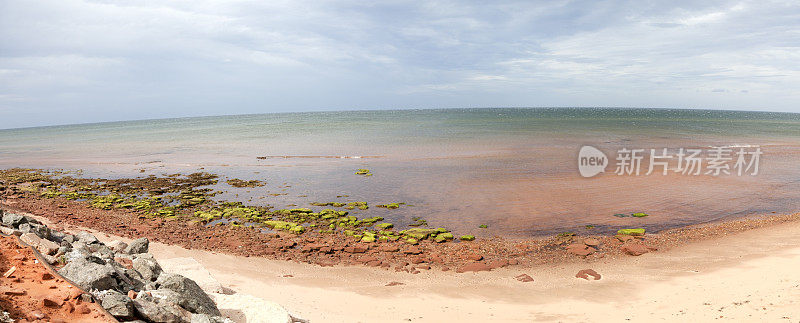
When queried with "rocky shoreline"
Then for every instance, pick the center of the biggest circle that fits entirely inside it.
(122, 278)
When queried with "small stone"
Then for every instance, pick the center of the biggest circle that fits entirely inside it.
(592, 242)
(524, 278)
(585, 273)
(394, 284)
(475, 267)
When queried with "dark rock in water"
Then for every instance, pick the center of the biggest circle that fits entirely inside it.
(192, 296)
(153, 312)
(116, 304)
(585, 273)
(140, 245)
(89, 275)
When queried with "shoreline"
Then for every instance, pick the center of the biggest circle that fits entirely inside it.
(479, 255)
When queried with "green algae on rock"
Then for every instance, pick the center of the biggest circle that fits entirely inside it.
(390, 205)
(639, 215)
(467, 237)
(235, 182)
(631, 232)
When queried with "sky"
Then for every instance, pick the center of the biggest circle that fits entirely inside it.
(70, 61)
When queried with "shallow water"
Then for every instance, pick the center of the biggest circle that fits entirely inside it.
(514, 170)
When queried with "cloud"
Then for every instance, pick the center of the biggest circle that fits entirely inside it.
(78, 61)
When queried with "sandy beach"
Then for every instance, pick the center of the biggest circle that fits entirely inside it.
(746, 276)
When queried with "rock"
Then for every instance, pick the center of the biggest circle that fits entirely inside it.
(117, 245)
(12, 220)
(89, 275)
(356, 249)
(475, 266)
(193, 297)
(580, 249)
(117, 304)
(86, 237)
(47, 247)
(394, 284)
(524, 278)
(499, 263)
(30, 239)
(165, 313)
(631, 232)
(140, 245)
(467, 237)
(623, 237)
(147, 267)
(412, 251)
(592, 242)
(389, 248)
(443, 237)
(205, 318)
(635, 249)
(585, 273)
(474, 257)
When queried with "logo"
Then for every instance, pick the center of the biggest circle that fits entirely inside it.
(591, 161)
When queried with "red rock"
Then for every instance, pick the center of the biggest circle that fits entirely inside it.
(125, 262)
(356, 249)
(474, 257)
(390, 248)
(585, 273)
(623, 237)
(499, 263)
(374, 263)
(83, 309)
(394, 284)
(412, 250)
(580, 249)
(426, 267)
(132, 294)
(475, 266)
(367, 259)
(51, 302)
(635, 249)
(417, 260)
(445, 268)
(326, 250)
(591, 242)
(47, 276)
(524, 278)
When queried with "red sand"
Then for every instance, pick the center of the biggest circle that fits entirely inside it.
(30, 292)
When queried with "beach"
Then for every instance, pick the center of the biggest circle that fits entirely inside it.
(735, 276)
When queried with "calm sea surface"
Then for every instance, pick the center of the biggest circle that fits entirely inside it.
(514, 170)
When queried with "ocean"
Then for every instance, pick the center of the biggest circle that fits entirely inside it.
(513, 170)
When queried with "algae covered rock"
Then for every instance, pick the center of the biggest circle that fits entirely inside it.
(384, 226)
(467, 237)
(631, 232)
(442, 237)
(639, 215)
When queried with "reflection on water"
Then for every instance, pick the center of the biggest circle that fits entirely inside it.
(513, 170)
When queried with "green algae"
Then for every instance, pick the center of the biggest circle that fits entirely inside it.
(467, 237)
(442, 237)
(639, 215)
(390, 205)
(235, 182)
(483, 226)
(384, 226)
(363, 171)
(631, 232)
